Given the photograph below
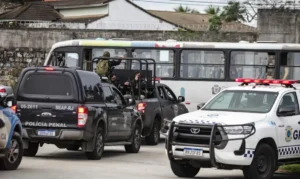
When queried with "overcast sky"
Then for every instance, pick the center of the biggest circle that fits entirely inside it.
(169, 5)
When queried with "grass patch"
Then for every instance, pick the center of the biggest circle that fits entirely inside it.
(291, 168)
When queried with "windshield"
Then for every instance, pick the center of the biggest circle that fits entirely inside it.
(243, 101)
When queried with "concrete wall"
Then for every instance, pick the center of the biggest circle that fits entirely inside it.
(45, 38)
(123, 15)
(278, 25)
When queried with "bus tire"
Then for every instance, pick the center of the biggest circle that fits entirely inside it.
(154, 136)
(184, 170)
(263, 165)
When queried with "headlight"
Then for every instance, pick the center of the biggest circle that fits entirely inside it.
(238, 129)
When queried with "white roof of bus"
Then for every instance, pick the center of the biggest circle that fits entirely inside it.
(179, 44)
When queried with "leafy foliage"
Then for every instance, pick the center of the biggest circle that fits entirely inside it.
(186, 9)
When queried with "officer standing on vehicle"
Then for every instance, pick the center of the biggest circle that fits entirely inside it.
(134, 84)
(105, 66)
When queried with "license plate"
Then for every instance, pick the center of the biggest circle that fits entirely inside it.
(193, 151)
(46, 133)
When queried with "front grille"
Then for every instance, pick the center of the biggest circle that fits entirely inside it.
(183, 134)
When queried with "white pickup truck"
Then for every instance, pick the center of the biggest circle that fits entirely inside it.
(255, 128)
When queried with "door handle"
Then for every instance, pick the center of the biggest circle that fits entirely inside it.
(299, 122)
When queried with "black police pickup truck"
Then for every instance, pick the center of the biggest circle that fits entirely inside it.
(74, 109)
(158, 107)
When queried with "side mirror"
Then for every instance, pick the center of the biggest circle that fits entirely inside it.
(199, 106)
(181, 99)
(286, 111)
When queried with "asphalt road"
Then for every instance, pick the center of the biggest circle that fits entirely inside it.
(150, 163)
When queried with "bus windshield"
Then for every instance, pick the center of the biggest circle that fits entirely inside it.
(243, 101)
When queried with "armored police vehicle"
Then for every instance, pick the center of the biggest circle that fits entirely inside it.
(73, 109)
(11, 146)
(254, 128)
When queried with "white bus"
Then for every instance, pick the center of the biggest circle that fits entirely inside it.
(195, 70)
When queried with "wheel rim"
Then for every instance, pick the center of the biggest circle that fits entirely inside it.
(13, 152)
(137, 138)
(99, 143)
(263, 164)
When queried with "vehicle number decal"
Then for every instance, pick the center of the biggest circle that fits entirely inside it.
(29, 106)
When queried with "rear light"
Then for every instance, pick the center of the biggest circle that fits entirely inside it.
(141, 107)
(82, 116)
(14, 108)
(2, 90)
(49, 69)
(155, 79)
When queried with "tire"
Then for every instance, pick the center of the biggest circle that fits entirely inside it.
(96, 154)
(73, 148)
(184, 170)
(154, 136)
(263, 165)
(14, 157)
(135, 146)
(32, 149)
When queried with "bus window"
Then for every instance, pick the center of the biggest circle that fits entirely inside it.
(164, 61)
(252, 65)
(202, 64)
(69, 59)
(114, 52)
(290, 66)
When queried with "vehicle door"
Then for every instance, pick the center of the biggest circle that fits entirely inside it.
(166, 104)
(288, 126)
(125, 114)
(113, 114)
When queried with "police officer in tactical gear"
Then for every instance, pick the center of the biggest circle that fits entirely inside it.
(105, 66)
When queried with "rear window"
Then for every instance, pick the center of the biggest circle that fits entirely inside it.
(47, 85)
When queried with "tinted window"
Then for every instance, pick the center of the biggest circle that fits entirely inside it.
(70, 59)
(290, 100)
(91, 86)
(164, 61)
(202, 64)
(290, 66)
(242, 101)
(252, 64)
(47, 84)
(170, 95)
(107, 94)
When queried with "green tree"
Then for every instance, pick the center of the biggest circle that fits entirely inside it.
(215, 23)
(212, 10)
(234, 12)
(215, 20)
(186, 9)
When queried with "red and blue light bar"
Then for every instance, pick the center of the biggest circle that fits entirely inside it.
(266, 81)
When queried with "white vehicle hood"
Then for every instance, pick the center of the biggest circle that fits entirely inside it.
(219, 117)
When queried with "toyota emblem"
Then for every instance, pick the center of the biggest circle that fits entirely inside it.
(195, 130)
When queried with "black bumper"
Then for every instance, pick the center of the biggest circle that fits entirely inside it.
(214, 142)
